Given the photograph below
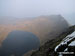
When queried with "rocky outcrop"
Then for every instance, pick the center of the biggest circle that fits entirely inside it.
(48, 48)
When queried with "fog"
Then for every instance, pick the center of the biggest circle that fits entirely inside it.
(33, 8)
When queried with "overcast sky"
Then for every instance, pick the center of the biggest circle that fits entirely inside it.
(32, 8)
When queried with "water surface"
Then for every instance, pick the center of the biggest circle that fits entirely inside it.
(19, 42)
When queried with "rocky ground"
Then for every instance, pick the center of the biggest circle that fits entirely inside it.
(48, 48)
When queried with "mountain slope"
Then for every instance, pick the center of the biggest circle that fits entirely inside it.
(44, 27)
(48, 48)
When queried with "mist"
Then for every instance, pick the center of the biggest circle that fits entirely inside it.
(34, 8)
(25, 25)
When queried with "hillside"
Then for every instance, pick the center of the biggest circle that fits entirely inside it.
(44, 27)
(48, 48)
